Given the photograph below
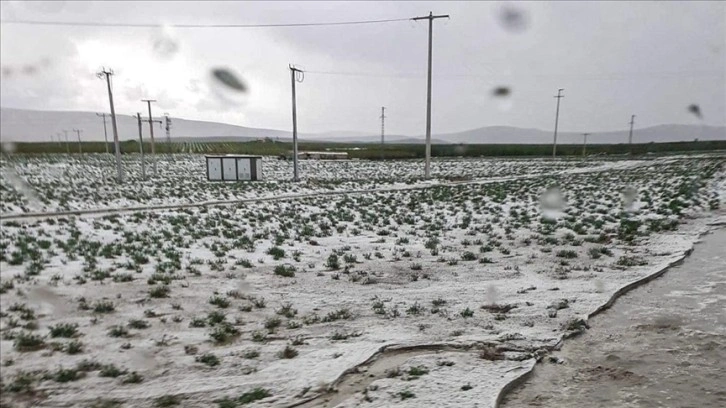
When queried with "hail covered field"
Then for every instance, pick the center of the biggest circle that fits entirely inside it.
(278, 293)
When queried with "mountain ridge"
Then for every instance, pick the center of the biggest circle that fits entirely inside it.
(20, 125)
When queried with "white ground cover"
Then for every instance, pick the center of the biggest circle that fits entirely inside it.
(277, 299)
(62, 182)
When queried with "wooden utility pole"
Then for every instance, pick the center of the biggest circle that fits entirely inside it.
(431, 17)
(584, 144)
(630, 135)
(117, 148)
(68, 146)
(383, 127)
(78, 132)
(151, 130)
(141, 147)
(296, 75)
(557, 119)
(167, 121)
(105, 134)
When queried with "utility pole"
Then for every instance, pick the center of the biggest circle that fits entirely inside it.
(117, 148)
(383, 126)
(296, 75)
(630, 136)
(141, 148)
(167, 121)
(105, 133)
(431, 17)
(78, 132)
(557, 118)
(151, 129)
(584, 144)
(68, 146)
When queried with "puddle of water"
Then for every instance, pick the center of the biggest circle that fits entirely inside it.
(661, 345)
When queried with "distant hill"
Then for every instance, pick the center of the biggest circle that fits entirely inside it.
(22, 125)
(514, 135)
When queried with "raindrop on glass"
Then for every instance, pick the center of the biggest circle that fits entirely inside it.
(695, 110)
(513, 19)
(165, 46)
(630, 199)
(229, 79)
(501, 92)
(552, 202)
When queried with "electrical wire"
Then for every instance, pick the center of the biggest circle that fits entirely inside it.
(142, 25)
(622, 76)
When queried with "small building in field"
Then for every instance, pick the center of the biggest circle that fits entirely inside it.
(234, 167)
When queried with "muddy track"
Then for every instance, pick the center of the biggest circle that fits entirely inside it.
(620, 292)
(356, 379)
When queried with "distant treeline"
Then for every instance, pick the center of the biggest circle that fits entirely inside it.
(370, 151)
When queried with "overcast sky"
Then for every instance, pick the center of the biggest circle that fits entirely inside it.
(614, 59)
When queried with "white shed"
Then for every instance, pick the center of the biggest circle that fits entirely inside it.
(234, 167)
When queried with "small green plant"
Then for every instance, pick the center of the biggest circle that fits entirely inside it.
(415, 309)
(286, 310)
(74, 347)
(467, 313)
(340, 314)
(133, 378)
(223, 333)
(118, 331)
(468, 256)
(26, 341)
(272, 323)
(417, 371)
(567, 254)
(287, 271)
(209, 359)
(631, 261)
(110, 370)
(438, 302)
(161, 291)
(63, 375)
(167, 401)
(219, 301)
(254, 395)
(406, 394)
(64, 330)
(276, 252)
(288, 352)
(333, 262)
(104, 306)
(214, 317)
(138, 324)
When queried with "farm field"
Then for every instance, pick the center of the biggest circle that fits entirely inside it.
(60, 182)
(462, 282)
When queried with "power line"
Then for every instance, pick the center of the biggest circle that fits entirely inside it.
(157, 25)
(296, 75)
(618, 76)
(557, 119)
(106, 74)
(431, 17)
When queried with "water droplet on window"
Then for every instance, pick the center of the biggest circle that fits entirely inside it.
(229, 79)
(165, 46)
(552, 203)
(630, 199)
(501, 91)
(695, 110)
(513, 19)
